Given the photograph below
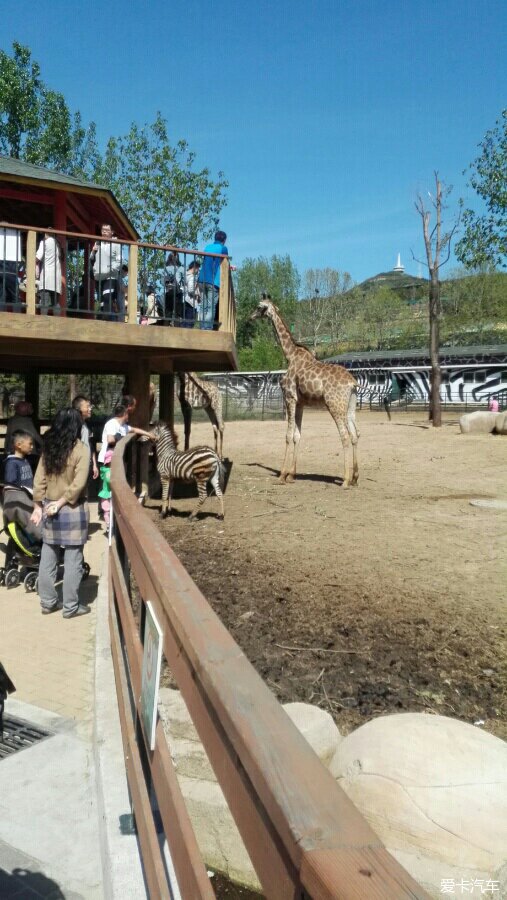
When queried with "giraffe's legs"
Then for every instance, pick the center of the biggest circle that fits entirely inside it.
(187, 421)
(290, 406)
(291, 477)
(344, 434)
(341, 424)
(354, 435)
(167, 490)
(218, 429)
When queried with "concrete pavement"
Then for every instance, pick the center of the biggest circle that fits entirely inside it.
(62, 799)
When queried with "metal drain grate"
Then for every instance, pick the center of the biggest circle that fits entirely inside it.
(18, 735)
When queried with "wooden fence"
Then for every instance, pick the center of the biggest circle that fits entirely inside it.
(304, 836)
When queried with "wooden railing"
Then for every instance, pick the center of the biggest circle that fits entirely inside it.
(144, 263)
(304, 836)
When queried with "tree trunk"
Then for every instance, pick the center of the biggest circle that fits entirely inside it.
(72, 387)
(435, 410)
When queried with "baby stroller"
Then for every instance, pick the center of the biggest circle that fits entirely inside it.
(22, 557)
(22, 553)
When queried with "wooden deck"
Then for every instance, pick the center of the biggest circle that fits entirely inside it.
(60, 344)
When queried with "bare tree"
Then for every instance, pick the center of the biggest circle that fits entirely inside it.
(437, 244)
(323, 288)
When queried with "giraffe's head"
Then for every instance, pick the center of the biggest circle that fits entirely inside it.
(265, 308)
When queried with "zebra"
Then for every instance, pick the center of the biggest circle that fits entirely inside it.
(200, 464)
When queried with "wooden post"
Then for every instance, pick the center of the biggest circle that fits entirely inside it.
(166, 398)
(32, 391)
(223, 296)
(132, 285)
(139, 387)
(30, 272)
(61, 225)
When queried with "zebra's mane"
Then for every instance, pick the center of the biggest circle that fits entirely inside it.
(166, 426)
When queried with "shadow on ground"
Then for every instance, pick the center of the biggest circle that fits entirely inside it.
(21, 883)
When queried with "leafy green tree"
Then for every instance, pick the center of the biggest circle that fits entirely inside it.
(263, 355)
(36, 124)
(381, 317)
(318, 312)
(485, 238)
(167, 199)
(278, 277)
(474, 306)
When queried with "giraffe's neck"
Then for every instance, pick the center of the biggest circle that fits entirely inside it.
(283, 334)
(194, 380)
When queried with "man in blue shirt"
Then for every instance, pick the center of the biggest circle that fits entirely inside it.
(209, 279)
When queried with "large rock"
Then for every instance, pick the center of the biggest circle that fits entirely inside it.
(215, 829)
(435, 791)
(501, 423)
(479, 422)
(216, 832)
(317, 726)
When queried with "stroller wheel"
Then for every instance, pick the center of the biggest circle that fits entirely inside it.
(2, 577)
(30, 581)
(12, 578)
(86, 571)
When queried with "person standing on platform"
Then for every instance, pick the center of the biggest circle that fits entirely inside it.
(106, 264)
(48, 272)
(209, 280)
(10, 260)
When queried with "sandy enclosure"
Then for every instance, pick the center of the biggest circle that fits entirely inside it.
(388, 597)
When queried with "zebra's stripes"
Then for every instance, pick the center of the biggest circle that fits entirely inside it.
(200, 464)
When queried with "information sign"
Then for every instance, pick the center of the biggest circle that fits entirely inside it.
(152, 660)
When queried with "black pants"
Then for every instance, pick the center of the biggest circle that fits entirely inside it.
(9, 287)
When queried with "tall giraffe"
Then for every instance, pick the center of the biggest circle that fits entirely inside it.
(308, 382)
(198, 394)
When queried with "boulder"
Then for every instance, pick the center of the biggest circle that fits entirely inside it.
(216, 832)
(317, 726)
(175, 715)
(217, 835)
(435, 791)
(501, 423)
(479, 422)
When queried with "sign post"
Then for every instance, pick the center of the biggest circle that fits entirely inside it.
(152, 661)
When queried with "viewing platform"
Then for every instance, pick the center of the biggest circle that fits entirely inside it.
(107, 303)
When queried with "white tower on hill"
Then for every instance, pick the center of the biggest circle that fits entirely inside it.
(398, 267)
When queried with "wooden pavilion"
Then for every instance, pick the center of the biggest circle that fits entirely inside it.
(34, 200)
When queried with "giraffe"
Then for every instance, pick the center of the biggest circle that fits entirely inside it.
(198, 394)
(309, 382)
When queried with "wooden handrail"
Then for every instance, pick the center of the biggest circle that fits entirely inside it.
(123, 241)
(227, 309)
(300, 829)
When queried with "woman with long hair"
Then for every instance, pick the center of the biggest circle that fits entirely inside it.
(59, 495)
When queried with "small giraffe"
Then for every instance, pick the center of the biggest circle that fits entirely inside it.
(308, 382)
(198, 394)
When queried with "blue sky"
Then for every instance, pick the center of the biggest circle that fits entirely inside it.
(326, 118)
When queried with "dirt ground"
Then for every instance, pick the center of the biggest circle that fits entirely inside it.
(388, 597)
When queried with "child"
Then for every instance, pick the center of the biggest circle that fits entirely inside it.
(18, 481)
(118, 427)
(105, 491)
